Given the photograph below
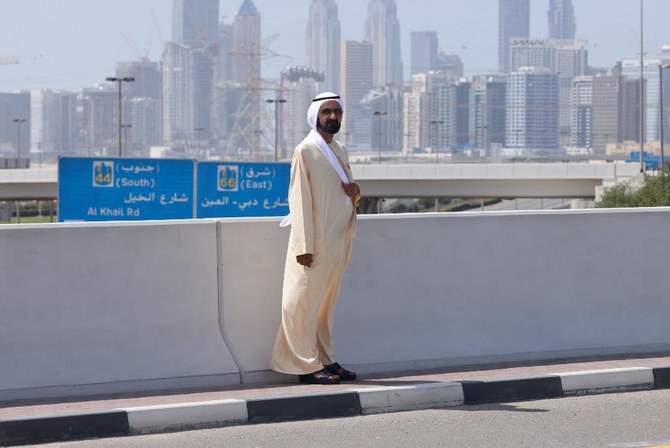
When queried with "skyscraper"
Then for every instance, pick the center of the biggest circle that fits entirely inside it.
(561, 19)
(247, 43)
(665, 93)
(513, 21)
(533, 110)
(496, 112)
(461, 94)
(141, 104)
(356, 82)
(53, 119)
(424, 51)
(581, 112)
(147, 76)
(488, 112)
(382, 30)
(99, 121)
(187, 94)
(571, 59)
(12, 106)
(605, 114)
(195, 21)
(451, 64)
(411, 114)
(430, 112)
(145, 118)
(630, 70)
(525, 52)
(629, 110)
(386, 125)
(188, 78)
(323, 42)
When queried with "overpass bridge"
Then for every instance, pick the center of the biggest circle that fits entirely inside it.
(484, 180)
(491, 180)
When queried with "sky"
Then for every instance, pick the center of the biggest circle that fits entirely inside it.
(68, 44)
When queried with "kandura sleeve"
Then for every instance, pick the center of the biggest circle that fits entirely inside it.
(300, 205)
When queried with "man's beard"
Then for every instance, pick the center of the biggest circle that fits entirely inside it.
(332, 126)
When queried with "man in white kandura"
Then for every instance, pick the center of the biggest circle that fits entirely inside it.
(322, 203)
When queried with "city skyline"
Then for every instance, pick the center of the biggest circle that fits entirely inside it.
(130, 30)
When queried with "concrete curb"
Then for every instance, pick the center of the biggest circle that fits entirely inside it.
(155, 419)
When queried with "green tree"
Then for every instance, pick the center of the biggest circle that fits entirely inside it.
(654, 193)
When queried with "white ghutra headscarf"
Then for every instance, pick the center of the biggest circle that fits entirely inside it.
(317, 139)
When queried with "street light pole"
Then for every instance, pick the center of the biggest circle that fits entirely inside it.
(379, 115)
(642, 86)
(197, 140)
(125, 128)
(120, 81)
(662, 67)
(434, 123)
(19, 122)
(483, 138)
(276, 102)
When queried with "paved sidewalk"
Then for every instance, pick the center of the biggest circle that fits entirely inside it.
(39, 421)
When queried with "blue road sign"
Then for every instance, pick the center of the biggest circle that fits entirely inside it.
(651, 161)
(91, 189)
(229, 189)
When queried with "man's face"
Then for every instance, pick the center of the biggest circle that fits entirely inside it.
(330, 117)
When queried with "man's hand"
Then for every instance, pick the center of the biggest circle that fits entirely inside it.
(351, 189)
(305, 259)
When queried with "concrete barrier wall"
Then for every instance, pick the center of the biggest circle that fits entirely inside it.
(253, 253)
(91, 308)
(107, 307)
(441, 290)
(486, 287)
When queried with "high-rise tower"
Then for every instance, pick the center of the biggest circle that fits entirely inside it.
(581, 112)
(356, 82)
(533, 110)
(53, 121)
(141, 104)
(424, 51)
(606, 113)
(630, 70)
(382, 30)
(187, 78)
(513, 21)
(665, 93)
(561, 19)
(323, 42)
(187, 90)
(195, 21)
(246, 49)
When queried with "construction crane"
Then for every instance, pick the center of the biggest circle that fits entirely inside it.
(8, 60)
(247, 119)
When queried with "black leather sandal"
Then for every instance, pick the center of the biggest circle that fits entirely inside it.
(319, 377)
(344, 374)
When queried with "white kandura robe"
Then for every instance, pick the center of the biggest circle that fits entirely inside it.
(323, 224)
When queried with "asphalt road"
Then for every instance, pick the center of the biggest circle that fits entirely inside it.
(628, 420)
